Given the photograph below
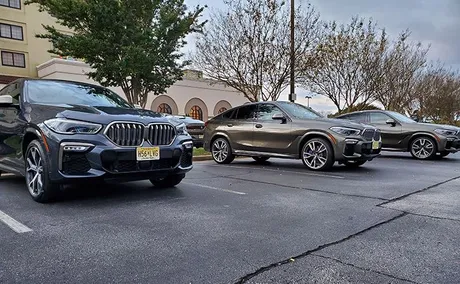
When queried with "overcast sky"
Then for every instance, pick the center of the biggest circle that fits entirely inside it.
(435, 22)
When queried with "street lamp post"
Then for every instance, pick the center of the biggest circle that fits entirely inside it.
(292, 95)
(308, 100)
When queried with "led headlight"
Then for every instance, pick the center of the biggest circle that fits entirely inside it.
(446, 132)
(68, 126)
(345, 131)
(181, 129)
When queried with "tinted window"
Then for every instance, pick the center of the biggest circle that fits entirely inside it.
(401, 117)
(266, 111)
(299, 111)
(229, 114)
(358, 117)
(246, 112)
(60, 93)
(378, 118)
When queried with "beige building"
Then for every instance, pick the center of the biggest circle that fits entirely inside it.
(24, 55)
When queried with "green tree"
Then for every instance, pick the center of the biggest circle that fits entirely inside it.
(133, 44)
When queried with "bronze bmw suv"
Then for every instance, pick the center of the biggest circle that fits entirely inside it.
(400, 133)
(289, 130)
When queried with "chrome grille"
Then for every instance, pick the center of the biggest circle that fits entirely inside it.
(368, 134)
(126, 133)
(161, 134)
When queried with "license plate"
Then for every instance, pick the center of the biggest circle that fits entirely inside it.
(200, 136)
(375, 145)
(148, 153)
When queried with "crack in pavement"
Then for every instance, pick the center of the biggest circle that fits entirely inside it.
(423, 215)
(364, 269)
(417, 191)
(309, 252)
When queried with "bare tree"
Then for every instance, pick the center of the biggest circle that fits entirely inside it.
(347, 63)
(246, 46)
(403, 64)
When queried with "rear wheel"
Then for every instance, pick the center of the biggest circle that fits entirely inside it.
(168, 181)
(423, 148)
(261, 159)
(317, 154)
(354, 164)
(221, 151)
(40, 187)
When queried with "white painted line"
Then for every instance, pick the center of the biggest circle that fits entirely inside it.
(282, 171)
(13, 224)
(215, 188)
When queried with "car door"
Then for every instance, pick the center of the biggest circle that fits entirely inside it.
(271, 136)
(240, 127)
(12, 125)
(391, 133)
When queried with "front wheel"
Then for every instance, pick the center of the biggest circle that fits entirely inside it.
(221, 151)
(317, 154)
(40, 187)
(354, 164)
(168, 181)
(423, 148)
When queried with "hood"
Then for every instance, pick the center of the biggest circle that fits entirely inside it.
(340, 122)
(433, 126)
(102, 115)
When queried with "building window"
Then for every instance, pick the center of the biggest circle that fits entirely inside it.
(196, 113)
(11, 31)
(13, 59)
(221, 110)
(11, 3)
(164, 108)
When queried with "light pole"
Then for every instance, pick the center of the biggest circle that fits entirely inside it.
(308, 100)
(292, 95)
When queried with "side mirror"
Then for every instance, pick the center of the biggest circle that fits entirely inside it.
(6, 100)
(391, 122)
(279, 116)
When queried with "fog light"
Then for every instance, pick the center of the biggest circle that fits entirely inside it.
(75, 148)
(188, 145)
(351, 141)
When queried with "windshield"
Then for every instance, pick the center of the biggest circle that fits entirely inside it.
(401, 118)
(299, 111)
(59, 93)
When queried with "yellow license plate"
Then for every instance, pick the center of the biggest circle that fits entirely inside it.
(148, 153)
(375, 145)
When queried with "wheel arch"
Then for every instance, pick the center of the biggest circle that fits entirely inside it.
(30, 135)
(313, 134)
(422, 134)
(220, 135)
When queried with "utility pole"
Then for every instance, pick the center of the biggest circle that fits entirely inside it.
(308, 100)
(292, 95)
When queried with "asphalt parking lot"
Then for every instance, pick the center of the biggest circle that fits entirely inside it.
(395, 220)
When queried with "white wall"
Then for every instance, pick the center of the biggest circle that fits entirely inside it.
(181, 92)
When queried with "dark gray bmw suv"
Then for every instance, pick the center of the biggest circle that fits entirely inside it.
(56, 132)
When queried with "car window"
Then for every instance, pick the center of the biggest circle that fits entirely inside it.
(228, 114)
(266, 111)
(358, 117)
(246, 112)
(378, 118)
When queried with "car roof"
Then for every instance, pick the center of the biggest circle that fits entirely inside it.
(57, 81)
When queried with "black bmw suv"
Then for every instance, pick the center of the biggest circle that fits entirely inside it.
(58, 132)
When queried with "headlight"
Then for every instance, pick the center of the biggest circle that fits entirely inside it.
(446, 132)
(181, 129)
(345, 131)
(68, 126)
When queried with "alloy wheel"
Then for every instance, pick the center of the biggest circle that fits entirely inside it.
(220, 150)
(422, 148)
(34, 172)
(315, 154)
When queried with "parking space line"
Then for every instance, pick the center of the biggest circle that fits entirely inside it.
(215, 188)
(282, 171)
(13, 224)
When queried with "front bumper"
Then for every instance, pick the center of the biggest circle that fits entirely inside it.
(84, 158)
(197, 140)
(449, 144)
(355, 149)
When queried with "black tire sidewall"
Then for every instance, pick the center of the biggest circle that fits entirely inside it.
(330, 154)
(49, 189)
(432, 155)
(230, 157)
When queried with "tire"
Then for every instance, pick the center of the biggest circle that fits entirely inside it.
(444, 154)
(317, 154)
(261, 159)
(36, 169)
(221, 151)
(423, 148)
(168, 181)
(354, 164)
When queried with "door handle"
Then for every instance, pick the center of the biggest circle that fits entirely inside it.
(230, 125)
(259, 125)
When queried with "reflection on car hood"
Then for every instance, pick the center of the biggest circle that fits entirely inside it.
(433, 126)
(344, 123)
(102, 115)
